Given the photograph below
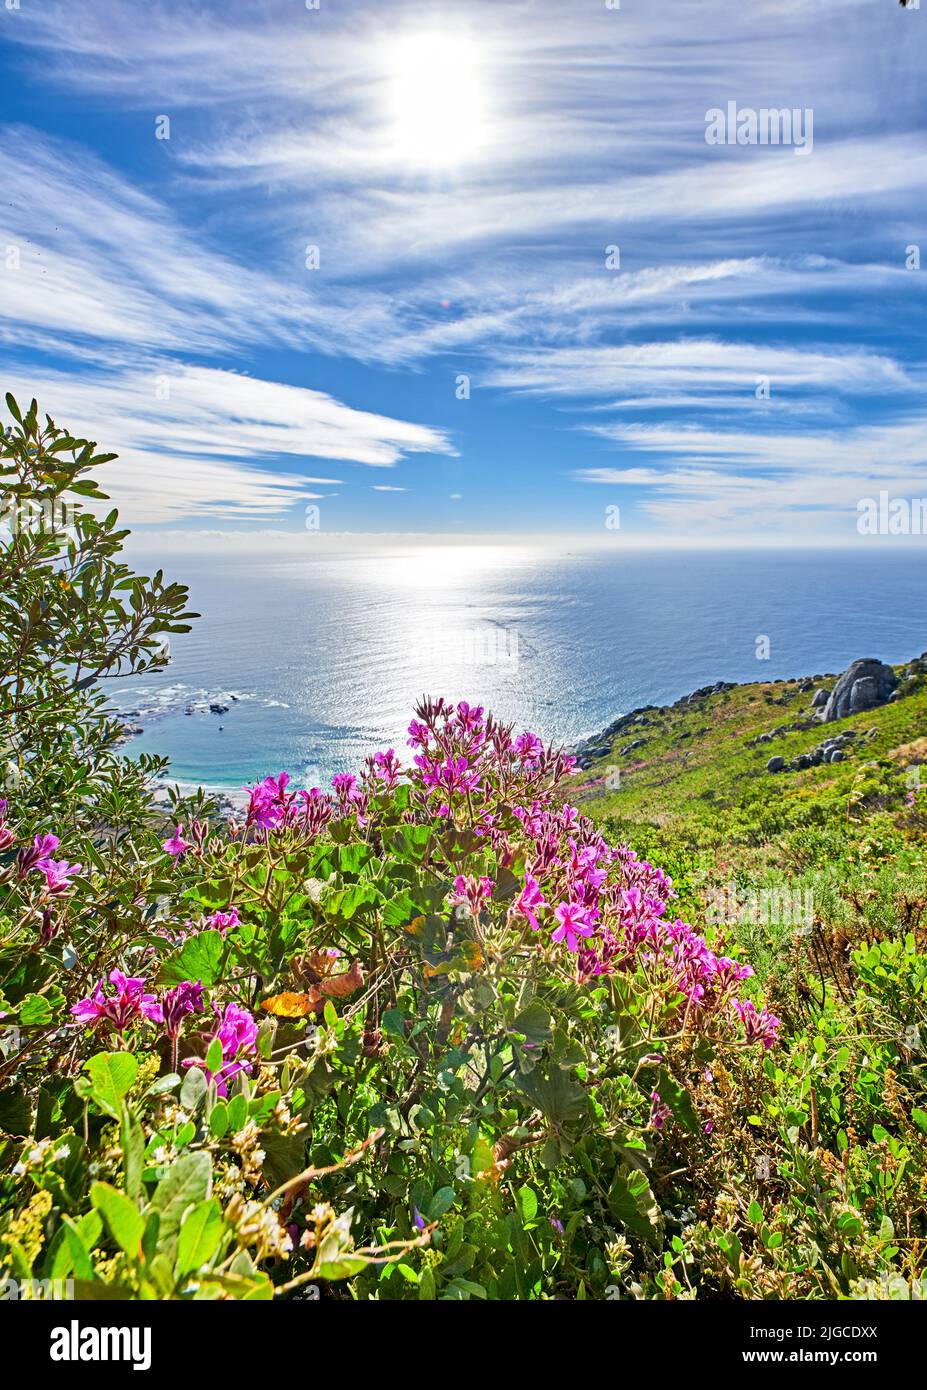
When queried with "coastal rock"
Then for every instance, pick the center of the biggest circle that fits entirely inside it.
(820, 698)
(864, 684)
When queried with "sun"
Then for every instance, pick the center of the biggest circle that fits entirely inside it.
(437, 106)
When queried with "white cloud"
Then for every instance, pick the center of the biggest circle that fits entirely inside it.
(736, 263)
(694, 363)
(192, 451)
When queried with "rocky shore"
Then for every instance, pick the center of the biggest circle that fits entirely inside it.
(867, 683)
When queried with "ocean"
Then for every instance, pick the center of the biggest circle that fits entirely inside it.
(315, 657)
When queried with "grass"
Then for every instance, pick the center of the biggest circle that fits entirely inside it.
(791, 862)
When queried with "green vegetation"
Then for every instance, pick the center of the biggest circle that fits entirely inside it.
(432, 1034)
(818, 877)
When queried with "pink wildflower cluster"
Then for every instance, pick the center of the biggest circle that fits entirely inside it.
(37, 858)
(472, 892)
(605, 906)
(237, 1033)
(272, 807)
(467, 759)
(127, 1004)
(610, 909)
(176, 846)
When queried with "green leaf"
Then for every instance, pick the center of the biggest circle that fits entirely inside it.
(193, 1089)
(112, 1076)
(122, 1216)
(219, 1119)
(238, 1113)
(214, 1057)
(72, 1252)
(393, 1023)
(132, 1142)
(678, 1101)
(200, 1236)
(440, 1203)
(38, 1010)
(185, 1183)
(150, 1236)
(755, 1213)
(920, 1119)
(15, 1111)
(284, 1156)
(527, 1203)
(631, 1202)
(79, 1246)
(558, 1095)
(200, 958)
(534, 1024)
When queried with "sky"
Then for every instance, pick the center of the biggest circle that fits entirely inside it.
(491, 268)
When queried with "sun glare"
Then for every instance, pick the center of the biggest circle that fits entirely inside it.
(437, 100)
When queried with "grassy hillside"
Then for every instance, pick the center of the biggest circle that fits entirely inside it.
(793, 862)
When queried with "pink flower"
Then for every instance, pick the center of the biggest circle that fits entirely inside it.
(7, 837)
(36, 855)
(659, 1112)
(268, 801)
(528, 747)
(418, 735)
(176, 845)
(317, 811)
(58, 874)
(758, 1027)
(386, 767)
(472, 892)
(529, 899)
(470, 717)
(453, 775)
(575, 920)
(237, 1032)
(129, 1004)
(177, 1003)
(223, 921)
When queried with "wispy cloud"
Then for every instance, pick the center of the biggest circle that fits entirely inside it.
(597, 260)
(189, 435)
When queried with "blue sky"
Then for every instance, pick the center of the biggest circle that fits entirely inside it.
(462, 170)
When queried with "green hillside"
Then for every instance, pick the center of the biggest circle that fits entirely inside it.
(847, 838)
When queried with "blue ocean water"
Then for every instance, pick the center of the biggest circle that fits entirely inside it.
(320, 657)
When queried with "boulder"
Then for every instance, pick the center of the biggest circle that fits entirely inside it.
(775, 765)
(863, 685)
(820, 697)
